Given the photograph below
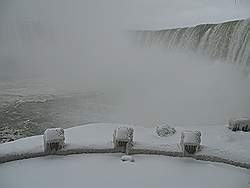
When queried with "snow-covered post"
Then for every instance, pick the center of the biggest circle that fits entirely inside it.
(239, 124)
(128, 148)
(53, 140)
(190, 142)
(123, 138)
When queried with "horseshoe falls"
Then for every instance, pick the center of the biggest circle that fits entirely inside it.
(228, 41)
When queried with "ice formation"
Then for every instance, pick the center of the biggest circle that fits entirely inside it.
(190, 141)
(53, 139)
(123, 138)
(242, 124)
(227, 41)
(165, 130)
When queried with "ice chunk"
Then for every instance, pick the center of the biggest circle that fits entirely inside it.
(128, 158)
(236, 124)
(165, 130)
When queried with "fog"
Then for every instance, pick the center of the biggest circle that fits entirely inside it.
(84, 46)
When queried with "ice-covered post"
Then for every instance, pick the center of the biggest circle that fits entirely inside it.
(53, 140)
(123, 138)
(239, 124)
(190, 142)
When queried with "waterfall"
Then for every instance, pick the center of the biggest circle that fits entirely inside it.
(228, 41)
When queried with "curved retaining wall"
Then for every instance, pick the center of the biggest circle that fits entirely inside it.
(13, 157)
(196, 156)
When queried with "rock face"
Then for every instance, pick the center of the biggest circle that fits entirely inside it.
(53, 140)
(239, 124)
(165, 130)
(190, 142)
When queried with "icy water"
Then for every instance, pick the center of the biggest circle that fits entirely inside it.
(27, 109)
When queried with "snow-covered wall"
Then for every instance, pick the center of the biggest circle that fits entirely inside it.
(221, 144)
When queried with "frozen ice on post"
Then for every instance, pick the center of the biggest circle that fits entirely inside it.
(239, 124)
(53, 139)
(123, 138)
(190, 141)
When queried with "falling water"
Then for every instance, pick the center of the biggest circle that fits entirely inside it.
(228, 41)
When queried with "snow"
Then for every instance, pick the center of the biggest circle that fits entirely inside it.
(165, 130)
(122, 134)
(53, 140)
(191, 137)
(242, 123)
(146, 171)
(107, 170)
(129, 158)
(216, 141)
(53, 135)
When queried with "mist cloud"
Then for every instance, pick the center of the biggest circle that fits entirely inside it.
(84, 45)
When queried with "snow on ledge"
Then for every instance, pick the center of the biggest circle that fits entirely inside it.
(53, 135)
(220, 144)
(53, 139)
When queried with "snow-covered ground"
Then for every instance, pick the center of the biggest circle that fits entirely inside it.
(107, 170)
(216, 141)
(94, 170)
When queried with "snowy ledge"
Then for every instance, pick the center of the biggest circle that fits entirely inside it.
(219, 144)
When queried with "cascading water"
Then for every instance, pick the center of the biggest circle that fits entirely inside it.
(228, 41)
